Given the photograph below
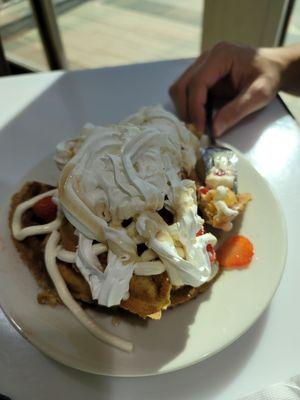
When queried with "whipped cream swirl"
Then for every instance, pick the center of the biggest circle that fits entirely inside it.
(129, 172)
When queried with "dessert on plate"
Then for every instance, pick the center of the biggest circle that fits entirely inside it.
(125, 225)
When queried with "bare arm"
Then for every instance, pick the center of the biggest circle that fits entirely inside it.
(249, 78)
(289, 58)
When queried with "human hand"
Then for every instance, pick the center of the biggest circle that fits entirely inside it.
(249, 77)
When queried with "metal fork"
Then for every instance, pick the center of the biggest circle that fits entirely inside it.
(214, 154)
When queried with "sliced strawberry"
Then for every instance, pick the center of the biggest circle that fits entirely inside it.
(211, 253)
(236, 252)
(200, 232)
(45, 209)
(203, 190)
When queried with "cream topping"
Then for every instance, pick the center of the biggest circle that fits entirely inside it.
(110, 285)
(54, 250)
(213, 180)
(223, 209)
(132, 170)
(66, 150)
(51, 252)
(222, 172)
(86, 256)
(125, 171)
(20, 233)
(121, 170)
(165, 122)
(70, 256)
(149, 268)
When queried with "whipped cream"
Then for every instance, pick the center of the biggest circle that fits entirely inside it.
(51, 252)
(66, 150)
(110, 285)
(130, 171)
(54, 250)
(223, 209)
(213, 180)
(222, 173)
(21, 233)
(120, 172)
(70, 256)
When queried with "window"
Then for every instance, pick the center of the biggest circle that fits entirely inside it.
(293, 36)
(98, 33)
(20, 36)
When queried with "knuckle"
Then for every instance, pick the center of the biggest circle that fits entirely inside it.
(262, 93)
(222, 46)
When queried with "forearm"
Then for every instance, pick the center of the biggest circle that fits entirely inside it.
(288, 58)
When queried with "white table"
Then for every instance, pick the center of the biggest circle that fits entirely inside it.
(269, 352)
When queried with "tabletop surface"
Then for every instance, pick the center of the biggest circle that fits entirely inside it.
(60, 103)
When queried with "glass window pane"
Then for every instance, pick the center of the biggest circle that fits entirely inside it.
(99, 33)
(293, 36)
(20, 36)
(293, 31)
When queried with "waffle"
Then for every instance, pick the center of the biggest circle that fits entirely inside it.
(149, 295)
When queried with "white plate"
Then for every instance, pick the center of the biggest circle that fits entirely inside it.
(185, 335)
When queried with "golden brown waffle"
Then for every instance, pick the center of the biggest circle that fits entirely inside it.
(148, 294)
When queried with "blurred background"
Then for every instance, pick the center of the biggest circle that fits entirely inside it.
(38, 35)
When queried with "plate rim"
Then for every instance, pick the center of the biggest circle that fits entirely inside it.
(61, 359)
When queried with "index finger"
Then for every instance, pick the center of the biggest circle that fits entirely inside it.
(215, 67)
(178, 91)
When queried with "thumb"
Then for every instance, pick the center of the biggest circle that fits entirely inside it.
(250, 99)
